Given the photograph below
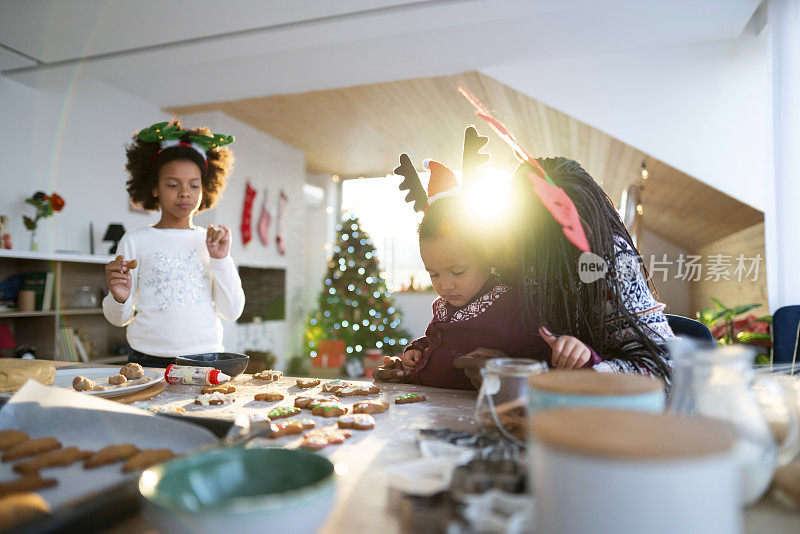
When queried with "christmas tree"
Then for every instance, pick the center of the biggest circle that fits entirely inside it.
(354, 305)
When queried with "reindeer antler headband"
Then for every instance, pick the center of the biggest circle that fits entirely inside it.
(553, 197)
(443, 181)
(169, 136)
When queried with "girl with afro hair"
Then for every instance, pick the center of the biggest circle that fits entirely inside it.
(173, 281)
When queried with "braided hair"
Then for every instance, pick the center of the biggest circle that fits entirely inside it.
(144, 160)
(544, 264)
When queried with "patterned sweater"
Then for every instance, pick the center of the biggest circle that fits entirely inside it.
(650, 317)
(492, 319)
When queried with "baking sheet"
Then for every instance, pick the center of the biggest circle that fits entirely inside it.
(90, 423)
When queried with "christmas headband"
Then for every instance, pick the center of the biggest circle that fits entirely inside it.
(169, 136)
(553, 197)
(443, 182)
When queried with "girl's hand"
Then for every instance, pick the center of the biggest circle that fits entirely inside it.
(568, 352)
(410, 358)
(218, 241)
(118, 279)
(391, 371)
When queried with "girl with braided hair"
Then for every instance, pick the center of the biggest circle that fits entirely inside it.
(616, 314)
(172, 281)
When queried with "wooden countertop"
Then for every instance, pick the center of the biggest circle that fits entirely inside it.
(362, 502)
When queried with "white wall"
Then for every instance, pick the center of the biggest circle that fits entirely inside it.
(704, 109)
(676, 294)
(71, 142)
(270, 166)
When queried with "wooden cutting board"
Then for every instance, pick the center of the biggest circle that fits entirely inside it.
(142, 394)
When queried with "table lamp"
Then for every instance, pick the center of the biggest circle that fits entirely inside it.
(6, 338)
(114, 233)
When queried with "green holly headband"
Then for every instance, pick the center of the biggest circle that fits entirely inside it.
(169, 136)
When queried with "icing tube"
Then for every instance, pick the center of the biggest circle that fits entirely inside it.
(194, 375)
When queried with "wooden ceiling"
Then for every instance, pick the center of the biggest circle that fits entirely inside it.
(360, 131)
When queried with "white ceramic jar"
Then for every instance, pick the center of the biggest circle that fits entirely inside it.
(628, 472)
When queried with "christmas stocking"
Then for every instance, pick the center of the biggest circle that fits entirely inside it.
(247, 214)
(280, 239)
(264, 221)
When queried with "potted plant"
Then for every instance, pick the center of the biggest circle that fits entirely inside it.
(45, 206)
(751, 330)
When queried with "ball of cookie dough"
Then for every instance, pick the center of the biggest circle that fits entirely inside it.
(81, 383)
(117, 379)
(132, 371)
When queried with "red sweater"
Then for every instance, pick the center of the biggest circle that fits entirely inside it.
(492, 319)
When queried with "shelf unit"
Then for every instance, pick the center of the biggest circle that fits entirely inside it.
(71, 271)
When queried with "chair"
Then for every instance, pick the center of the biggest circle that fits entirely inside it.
(785, 324)
(685, 327)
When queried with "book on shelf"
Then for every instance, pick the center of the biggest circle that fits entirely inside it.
(79, 348)
(47, 298)
(67, 350)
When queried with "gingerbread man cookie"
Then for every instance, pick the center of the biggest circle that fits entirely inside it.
(283, 411)
(354, 390)
(310, 401)
(408, 398)
(329, 409)
(270, 375)
(269, 396)
(214, 399)
(305, 383)
(26, 483)
(321, 438)
(147, 458)
(11, 437)
(30, 447)
(111, 455)
(359, 421)
(56, 458)
(284, 428)
(370, 406)
(334, 385)
(221, 388)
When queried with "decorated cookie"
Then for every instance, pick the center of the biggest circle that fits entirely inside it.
(111, 455)
(269, 396)
(334, 385)
(307, 423)
(221, 388)
(56, 458)
(370, 406)
(359, 421)
(329, 409)
(284, 428)
(30, 447)
(116, 380)
(270, 375)
(354, 390)
(11, 437)
(132, 371)
(310, 401)
(214, 399)
(408, 398)
(322, 437)
(146, 458)
(305, 383)
(81, 383)
(283, 411)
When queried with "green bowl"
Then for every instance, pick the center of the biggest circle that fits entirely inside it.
(249, 490)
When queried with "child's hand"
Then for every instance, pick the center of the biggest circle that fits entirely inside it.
(391, 371)
(410, 358)
(118, 279)
(473, 362)
(568, 352)
(218, 241)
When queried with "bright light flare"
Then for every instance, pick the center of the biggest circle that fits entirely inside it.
(488, 197)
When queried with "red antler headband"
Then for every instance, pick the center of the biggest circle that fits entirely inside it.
(553, 197)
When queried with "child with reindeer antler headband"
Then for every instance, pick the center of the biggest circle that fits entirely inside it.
(173, 281)
(474, 309)
(559, 218)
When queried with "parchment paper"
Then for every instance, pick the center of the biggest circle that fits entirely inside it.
(90, 423)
